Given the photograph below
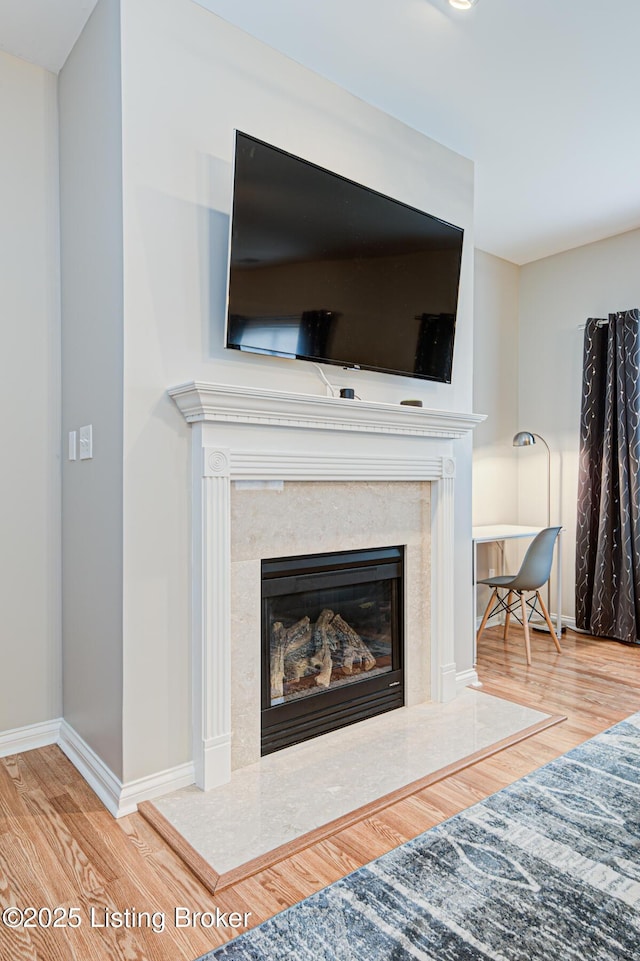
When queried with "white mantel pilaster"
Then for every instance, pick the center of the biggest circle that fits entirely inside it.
(254, 434)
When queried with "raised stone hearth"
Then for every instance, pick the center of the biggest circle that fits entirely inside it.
(353, 475)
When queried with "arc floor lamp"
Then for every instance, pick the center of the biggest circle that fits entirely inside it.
(526, 438)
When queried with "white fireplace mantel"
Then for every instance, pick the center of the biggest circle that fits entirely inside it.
(256, 434)
(223, 403)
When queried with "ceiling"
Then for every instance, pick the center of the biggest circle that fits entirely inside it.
(42, 31)
(543, 95)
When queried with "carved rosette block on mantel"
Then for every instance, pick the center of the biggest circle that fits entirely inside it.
(243, 434)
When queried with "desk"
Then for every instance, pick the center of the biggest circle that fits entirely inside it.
(498, 533)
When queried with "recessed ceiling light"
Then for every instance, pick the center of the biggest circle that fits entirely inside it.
(463, 4)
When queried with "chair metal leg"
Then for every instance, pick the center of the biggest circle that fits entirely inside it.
(525, 624)
(545, 612)
(486, 614)
(507, 616)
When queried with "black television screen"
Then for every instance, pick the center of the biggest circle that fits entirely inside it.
(326, 270)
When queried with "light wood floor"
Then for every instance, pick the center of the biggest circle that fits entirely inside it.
(59, 847)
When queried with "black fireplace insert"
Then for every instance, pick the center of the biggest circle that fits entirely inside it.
(332, 642)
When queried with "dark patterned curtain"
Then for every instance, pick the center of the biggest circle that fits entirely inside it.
(608, 531)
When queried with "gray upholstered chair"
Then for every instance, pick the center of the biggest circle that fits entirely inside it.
(534, 572)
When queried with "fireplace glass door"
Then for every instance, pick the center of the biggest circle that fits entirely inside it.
(332, 642)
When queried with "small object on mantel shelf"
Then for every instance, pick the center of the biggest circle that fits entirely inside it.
(347, 392)
(411, 403)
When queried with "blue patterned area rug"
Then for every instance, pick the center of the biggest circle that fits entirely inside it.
(548, 869)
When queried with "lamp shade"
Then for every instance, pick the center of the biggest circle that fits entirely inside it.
(523, 438)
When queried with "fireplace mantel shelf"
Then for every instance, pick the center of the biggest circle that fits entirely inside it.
(203, 402)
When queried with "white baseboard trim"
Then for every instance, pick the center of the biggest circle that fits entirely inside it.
(98, 776)
(119, 798)
(30, 737)
(495, 621)
(568, 622)
(154, 785)
(465, 678)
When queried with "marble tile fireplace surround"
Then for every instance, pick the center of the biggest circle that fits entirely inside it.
(278, 474)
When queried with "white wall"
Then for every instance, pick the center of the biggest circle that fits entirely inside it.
(557, 295)
(189, 79)
(495, 393)
(92, 346)
(495, 389)
(30, 685)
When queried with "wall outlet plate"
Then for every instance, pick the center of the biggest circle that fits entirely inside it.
(86, 442)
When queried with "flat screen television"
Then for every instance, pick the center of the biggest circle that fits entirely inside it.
(326, 270)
